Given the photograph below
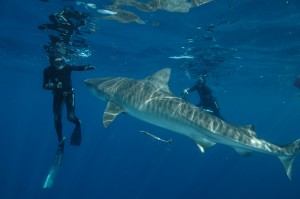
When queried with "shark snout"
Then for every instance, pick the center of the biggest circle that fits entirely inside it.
(87, 82)
(90, 83)
(94, 86)
(95, 82)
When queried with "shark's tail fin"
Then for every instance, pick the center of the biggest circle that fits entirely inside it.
(287, 161)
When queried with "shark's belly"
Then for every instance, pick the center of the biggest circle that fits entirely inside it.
(198, 133)
(172, 124)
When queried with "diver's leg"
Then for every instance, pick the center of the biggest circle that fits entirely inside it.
(58, 101)
(76, 135)
(70, 102)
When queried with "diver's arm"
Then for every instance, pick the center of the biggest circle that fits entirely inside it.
(48, 85)
(46, 81)
(187, 90)
(193, 88)
(82, 68)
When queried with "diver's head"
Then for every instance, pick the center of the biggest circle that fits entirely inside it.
(201, 81)
(59, 63)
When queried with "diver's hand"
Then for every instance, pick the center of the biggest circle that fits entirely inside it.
(185, 94)
(186, 91)
(53, 86)
(58, 85)
(89, 68)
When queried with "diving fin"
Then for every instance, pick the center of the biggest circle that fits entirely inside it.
(76, 136)
(55, 165)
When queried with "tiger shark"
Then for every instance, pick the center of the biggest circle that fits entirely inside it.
(151, 100)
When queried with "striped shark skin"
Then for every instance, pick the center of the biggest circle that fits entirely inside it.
(151, 100)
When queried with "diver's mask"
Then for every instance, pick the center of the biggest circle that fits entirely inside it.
(59, 63)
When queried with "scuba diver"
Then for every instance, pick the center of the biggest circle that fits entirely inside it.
(207, 100)
(297, 81)
(57, 77)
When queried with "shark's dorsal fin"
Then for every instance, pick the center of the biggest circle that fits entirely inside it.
(111, 112)
(160, 79)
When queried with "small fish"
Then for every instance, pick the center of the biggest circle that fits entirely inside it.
(91, 5)
(107, 12)
(155, 137)
(182, 57)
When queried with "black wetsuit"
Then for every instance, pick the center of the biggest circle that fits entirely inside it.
(297, 82)
(207, 100)
(52, 77)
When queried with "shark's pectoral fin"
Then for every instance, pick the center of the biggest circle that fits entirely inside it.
(111, 112)
(243, 152)
(204, 144)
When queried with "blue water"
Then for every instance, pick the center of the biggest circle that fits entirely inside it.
(249, 50)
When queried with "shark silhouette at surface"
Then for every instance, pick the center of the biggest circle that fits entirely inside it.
(151, 100)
